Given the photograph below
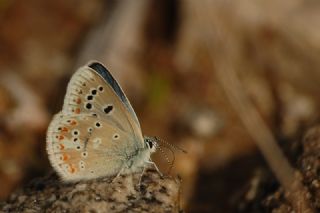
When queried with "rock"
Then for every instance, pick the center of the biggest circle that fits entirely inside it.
(49, 194)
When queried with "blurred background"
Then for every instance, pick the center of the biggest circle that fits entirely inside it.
(170, 57)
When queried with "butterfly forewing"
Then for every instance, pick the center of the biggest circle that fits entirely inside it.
(88, 93)
(105, 74)
(96, 119)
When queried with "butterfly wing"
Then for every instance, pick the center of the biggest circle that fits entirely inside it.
(97, 119)
(93, 90)
(105, 74)
(78, 148)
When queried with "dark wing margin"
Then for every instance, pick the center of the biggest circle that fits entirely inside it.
(106, 75)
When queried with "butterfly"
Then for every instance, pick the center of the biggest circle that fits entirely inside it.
(97, 133)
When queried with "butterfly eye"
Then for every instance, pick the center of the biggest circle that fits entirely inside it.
(149, 144)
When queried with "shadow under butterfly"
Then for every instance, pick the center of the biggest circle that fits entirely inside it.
(97, 133)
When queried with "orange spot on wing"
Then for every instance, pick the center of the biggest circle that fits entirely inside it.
(72, 168)
(77, 110)
(61, 137)
(78, 101)
(73, 122)
(61, 146)
(64, 129)
(65, 157)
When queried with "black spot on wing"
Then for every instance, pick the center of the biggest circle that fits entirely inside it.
(106, 75)
(108, 109)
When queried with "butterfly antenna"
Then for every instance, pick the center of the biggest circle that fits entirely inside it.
(167, 158)
(171, 145)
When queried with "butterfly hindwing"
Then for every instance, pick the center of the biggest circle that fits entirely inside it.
(71, 140)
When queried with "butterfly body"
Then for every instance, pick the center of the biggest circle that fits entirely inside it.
(97, 133)
(136, 160)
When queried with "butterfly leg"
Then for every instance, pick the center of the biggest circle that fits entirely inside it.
(155, 166)
(140, 179)
(117, 176)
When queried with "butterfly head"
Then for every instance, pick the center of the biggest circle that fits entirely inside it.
(151, 143)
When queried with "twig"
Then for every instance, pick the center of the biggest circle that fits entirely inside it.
(289, 178)
(29, 110)
(218, 40)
